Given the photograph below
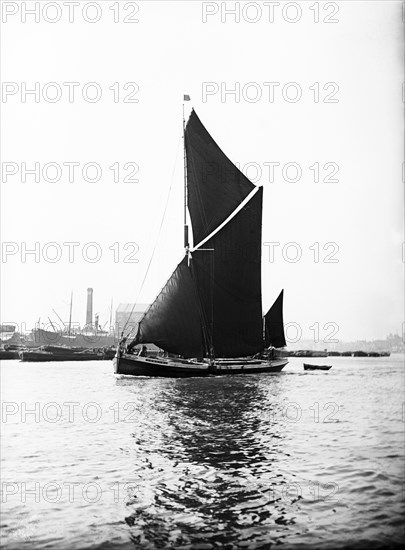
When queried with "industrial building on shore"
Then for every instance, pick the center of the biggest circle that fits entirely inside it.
(127, 317)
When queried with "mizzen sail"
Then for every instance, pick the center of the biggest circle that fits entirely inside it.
(274, 325)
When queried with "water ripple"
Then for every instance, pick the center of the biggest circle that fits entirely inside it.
(234, 462)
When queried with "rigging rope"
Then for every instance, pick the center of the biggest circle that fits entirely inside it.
(156, 242)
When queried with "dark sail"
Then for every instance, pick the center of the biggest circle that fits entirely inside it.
(274, 325)
(215, 185)
(173, 321)
(229, 283)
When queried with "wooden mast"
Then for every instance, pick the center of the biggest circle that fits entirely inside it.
(186, 242)
(207, 333)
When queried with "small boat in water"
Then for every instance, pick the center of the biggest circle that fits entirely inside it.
(308, 366)
(208, 317)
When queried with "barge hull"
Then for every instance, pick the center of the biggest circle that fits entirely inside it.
(144, 366)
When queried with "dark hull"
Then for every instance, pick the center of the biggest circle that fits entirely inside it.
(316, 367)
(9, 354)
(173, 368)
(40, 357)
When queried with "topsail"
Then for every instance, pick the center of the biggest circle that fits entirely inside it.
(216, 187)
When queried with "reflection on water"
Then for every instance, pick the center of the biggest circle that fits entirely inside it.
(224, 462)
(299, 459)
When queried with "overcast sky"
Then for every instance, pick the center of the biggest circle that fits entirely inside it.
(344, 108)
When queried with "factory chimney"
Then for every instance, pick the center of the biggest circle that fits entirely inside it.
(89, 310)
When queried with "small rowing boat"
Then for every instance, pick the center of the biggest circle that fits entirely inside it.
(307, 366)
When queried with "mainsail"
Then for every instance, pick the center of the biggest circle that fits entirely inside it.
(211, 304)
(274, 325)
(228, 271)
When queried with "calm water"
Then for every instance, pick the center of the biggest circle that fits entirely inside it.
(303, 460)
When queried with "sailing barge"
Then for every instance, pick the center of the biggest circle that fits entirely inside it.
(208, 316)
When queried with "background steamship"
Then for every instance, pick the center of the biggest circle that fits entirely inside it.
(91, 335)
